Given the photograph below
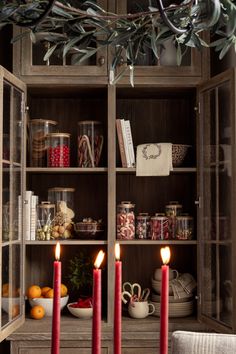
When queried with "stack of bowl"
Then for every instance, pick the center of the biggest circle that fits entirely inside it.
(178, 307)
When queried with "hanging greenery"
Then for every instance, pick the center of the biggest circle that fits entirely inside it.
(83, 27)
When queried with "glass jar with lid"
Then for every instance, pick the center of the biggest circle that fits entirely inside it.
(184, 227)
(173, 209)
(45, 218)
(58, 153)
(159, 227)
(39, 129)
(90, 143)
(125, 221)
(143, 226)
(63, 198)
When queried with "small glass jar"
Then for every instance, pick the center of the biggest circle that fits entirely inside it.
(159, 227)
(45, 217)
(125, 221)
(143, 226)
(58, 153)
(184, 227)
(63, 198)
(39, 129)
(90, 143)
(173, 209)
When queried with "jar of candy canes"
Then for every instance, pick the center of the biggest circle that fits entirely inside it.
(58, 154)
(90, 143)
(159, 227)
(125, 221)
(143, 226)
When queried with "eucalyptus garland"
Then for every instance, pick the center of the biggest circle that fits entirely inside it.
(83, 27)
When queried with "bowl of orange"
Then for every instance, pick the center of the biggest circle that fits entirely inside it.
(44, 297)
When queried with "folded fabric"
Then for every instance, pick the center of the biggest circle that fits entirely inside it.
(183, 286)
(154, 159)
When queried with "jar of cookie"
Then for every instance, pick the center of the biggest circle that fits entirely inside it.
(39, 129)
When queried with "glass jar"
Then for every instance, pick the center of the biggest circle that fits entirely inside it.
(39, 129)
(58, 153)
(173, 209)
(125, 221)
(90, 143)
(143, 226)
(159, 227)
(184, 227)
(45, 217)
(63, 198)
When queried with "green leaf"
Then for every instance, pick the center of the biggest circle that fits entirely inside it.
(178, 54)
(58, 11)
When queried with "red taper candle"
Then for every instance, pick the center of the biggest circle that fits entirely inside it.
(97, 304)
(165, 254)
(117, 302)
(56, 315)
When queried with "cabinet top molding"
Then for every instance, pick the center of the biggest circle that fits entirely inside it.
(83, 30)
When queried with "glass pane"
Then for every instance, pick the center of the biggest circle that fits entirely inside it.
(5, 286)
(17, 125)
(209, 306)
(16, 280)
(6, 121)
(15, 198)
(6, 203)
(226, 285)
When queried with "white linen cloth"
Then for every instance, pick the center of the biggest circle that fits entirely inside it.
(154, 159)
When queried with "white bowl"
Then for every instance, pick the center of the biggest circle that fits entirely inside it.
(48, 303)
(6, 300)
(80, 312)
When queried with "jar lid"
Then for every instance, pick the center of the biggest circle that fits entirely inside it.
(61, 189)
(43, 121)
(126, 204)
(174, 204)
(159, 216)
(89, 122)
(143, 214)
(46, 205)
(184, 217)
(58, 135)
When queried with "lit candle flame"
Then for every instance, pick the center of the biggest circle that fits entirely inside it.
(165, 254)
(57, 252)
(117, 251)
(99, 259)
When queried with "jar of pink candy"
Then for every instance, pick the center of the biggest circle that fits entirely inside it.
(58, 153)
(159, 227)
(125, 221)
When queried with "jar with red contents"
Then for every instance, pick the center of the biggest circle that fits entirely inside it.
(173, 209)
(125, 221)
(58, 153)
(159, 227)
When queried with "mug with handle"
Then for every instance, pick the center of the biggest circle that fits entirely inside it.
(140, 309)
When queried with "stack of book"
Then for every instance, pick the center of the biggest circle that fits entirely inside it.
(125, 141)
(31, 202)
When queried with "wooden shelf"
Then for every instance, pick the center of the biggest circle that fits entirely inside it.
(66, 170)
(66, 242)
(157, 242)
(175, 170)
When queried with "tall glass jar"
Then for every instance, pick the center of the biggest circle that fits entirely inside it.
(184, 227)
(39, 129)
(173, 209)
(58, 153)
(90, 143)
(63, 198)
(125, 221)
(45, 218)
(143, 226)
(159, 227)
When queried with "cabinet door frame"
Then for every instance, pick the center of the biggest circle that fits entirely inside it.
(228, 76)
(15, 83)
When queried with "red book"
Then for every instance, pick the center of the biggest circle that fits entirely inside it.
(121, 143)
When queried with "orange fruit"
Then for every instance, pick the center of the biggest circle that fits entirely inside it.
(44, 290)
(33, 291)
(5, 290)
(64, 290)
(49, 294)
(15, 310)
(37, 312)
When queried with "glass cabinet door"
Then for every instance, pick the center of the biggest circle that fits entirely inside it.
(12, 97)
(217, 200)
(166, 65)
(32, 57)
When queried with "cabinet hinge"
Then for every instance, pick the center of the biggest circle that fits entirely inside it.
(197, 108)
(199, 298)
(24, 107)
(198, 202)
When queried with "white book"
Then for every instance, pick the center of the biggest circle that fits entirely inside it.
(27, 212)
(130, 143)
(125, 143)
(33, 216)
(19, 217)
